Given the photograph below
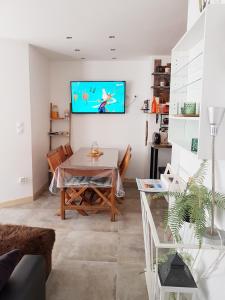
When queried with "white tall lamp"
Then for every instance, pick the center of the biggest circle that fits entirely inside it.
(216, 115)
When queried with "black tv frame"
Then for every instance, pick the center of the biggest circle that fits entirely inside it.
(109, 113)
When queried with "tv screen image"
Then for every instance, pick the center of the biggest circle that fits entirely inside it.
(98, 96)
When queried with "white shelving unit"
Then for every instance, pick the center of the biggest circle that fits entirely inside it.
(157, 241)
(198, 75)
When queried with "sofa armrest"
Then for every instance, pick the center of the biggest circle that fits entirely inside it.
(27, 280)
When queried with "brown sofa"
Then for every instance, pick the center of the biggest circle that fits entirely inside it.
(30, 240)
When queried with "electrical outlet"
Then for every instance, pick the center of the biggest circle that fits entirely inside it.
(23, 180)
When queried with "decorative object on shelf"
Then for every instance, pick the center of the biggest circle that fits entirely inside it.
(154, 104)
(66, 114)
(192, 205)
(163, 136)
(146, 105)
(167, 69)
(189, 108)
(156, 138)
(175, 278)
(216, 115)
(194, 145)
(54, 112)
(174, 272)
(164, 108)
(203, 3)
(157, 105)
(162, 83)
(160, 69)
(165, 121)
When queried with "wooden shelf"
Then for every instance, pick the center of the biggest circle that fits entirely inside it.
(160, 74)
(160, 87)
(147, 111)
(58, 134)
(161, 146)
(59, 119)
(54, 131)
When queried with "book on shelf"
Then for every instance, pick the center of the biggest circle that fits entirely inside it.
(151, 185)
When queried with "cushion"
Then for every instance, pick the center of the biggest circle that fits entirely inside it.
(30, 240)
(8, 262)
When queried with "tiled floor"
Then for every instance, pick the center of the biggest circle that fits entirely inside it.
(93, 258)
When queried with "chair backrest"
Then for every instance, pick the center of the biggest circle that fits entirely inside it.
(125, 162)
(68, 150)
(53, 160)
(62, 153)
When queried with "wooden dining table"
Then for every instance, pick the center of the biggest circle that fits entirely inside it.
(82, 173)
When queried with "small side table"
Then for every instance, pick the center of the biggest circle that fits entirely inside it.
(154, 158)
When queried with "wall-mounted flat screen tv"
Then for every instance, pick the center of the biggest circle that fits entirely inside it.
(104, 97)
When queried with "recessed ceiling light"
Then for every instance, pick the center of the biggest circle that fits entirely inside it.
(69, 37)
(111, 36)
(76, 50)
(83, 57)
(112, 49)
(114, 57)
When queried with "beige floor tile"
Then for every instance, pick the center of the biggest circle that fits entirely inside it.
(130, 222)
(82, 281)
(90, 246)
(131, 282)
(131, 248)
(96, 222)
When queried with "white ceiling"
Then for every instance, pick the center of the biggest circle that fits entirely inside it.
(141, 27)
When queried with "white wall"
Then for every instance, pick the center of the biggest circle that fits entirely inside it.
(15, 150)
(39, 99)
(109, 130)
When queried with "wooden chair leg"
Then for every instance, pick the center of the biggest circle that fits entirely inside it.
(63, 204)
(112, 198)
(75, 195)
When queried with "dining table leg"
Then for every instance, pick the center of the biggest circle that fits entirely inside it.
(63, 203)
(112, 196)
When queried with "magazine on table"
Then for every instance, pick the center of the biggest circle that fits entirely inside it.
(151, 185)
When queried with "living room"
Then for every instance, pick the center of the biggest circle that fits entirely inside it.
(77, 168)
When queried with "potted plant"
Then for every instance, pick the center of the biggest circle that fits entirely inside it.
(193, 205)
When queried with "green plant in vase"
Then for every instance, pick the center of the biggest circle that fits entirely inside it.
(193, 205)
